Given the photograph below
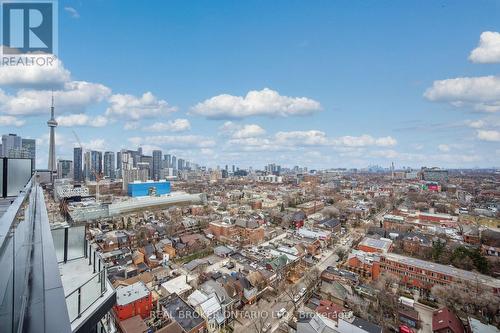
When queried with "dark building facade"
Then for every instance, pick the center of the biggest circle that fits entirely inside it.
(77, 164)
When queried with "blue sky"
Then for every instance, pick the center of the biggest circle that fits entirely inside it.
(311, 83)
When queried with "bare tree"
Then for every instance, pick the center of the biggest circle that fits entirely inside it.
(472, 298)
(258, 324)
(330, 212)
(292, 294)
(312, 278)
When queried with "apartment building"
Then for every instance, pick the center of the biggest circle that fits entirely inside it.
(422, 274)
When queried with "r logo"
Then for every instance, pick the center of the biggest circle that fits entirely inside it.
(28, 27)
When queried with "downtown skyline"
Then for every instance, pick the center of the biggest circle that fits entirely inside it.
(342, 90)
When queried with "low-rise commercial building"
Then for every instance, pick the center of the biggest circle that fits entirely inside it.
(422, 274)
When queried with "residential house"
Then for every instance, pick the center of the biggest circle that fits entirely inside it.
(133, 300)
(183, 314)
(446, 321)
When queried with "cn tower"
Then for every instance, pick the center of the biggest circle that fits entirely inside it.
(52, 123)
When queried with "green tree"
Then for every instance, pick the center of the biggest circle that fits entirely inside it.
(437, 250)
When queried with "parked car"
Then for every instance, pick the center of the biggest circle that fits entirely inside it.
(281, 312)
(266, 327)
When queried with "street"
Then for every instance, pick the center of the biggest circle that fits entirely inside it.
(268, 310)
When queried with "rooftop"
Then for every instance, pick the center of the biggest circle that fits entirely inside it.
(366, 325)
(132, 293)
(181, 312)
(382, 244)
(446, 270)
(176, 285)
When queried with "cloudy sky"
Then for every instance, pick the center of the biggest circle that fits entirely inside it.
(310, 83)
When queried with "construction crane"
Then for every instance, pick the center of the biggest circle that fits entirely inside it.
(77, 139)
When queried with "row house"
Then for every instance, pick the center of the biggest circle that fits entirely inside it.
(150, 257)
(242, 231)
(246, 292)
(331, 274)
(332, 225)
(183, 314)
(165, 247)
(190, 243)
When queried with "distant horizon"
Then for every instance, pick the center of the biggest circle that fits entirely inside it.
(260, 168)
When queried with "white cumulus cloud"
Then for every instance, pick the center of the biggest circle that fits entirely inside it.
(476, 123)
(75, 97)
(249, 131)
(308, 138)
(481, 93)
(265, 102)
(237, 131)
(488, 50)
(132, 107)
(177, 125)
(175, 141)
(131, 125)
(95, 144)
(81, 119)
(488, 135)
(36, 76)
(293, 140)
(11, 121)
(364, 140)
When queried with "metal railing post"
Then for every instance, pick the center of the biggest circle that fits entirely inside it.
(103, 282)
(79, 302)
(85, 248)
(65, 245)
(99, 269)
(90, 254)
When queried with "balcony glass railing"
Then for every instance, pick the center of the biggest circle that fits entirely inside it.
(31, 293)
(82, 271)
(14, 232)
(82, 298)
(69, 242)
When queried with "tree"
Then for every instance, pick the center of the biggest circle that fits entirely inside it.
(330, 212)
(437, 250)
(312, 278)
(385, 308)
(291, 293)
(341, 254)
(259, 323)
(469, 259)
(379, 203)
(286, 221)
